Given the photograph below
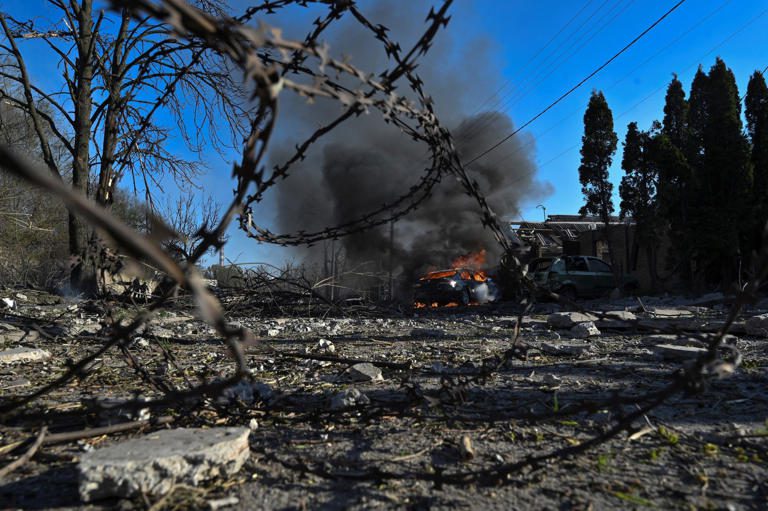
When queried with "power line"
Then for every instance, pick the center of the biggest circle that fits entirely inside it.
(491, 102)
(578, 85)
(659, 89)
(692, 28)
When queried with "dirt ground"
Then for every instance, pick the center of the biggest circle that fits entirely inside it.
(442, 429)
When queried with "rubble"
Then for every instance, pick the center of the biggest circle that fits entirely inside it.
(22, 354)
(757, 325)
(363, 372)
(584, 330)
(566, 320)
(155, 463)
(349, 398)
(566, 348)
(428, 332)
(678, 353)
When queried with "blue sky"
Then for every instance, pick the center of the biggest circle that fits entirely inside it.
(538, 50)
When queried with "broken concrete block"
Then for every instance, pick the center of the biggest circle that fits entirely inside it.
(349, 398)
(23, 355)
(584, 330)
(155, 463)
(758, 325)
(678, 353)
(563, 320)
(363, 371)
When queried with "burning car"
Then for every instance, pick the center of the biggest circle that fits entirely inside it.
(458, 286)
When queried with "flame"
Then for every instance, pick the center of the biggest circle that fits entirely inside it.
(473, 261)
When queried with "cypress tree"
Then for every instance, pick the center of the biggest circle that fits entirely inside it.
(597, 149)
(725, 179)
(638, 189)
(598, 146)
(674, 180)
(756, 112)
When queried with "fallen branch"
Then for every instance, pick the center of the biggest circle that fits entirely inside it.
(26, 456)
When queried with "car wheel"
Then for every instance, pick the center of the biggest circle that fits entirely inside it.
(568, 292)
(464, 298)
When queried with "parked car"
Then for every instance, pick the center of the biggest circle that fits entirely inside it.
(577, 276)
(461, 285)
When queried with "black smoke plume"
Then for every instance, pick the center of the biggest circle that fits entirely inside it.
(366, 162)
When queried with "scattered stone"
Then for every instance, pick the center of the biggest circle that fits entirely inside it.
(246, 392)
(758, 325)
(155, 463)
(141, 342)
(467, 450)
(564, 320)
(322, 346)
(362, 372)
(669, 313)
(551, 382)
(7, 303)
(216, 504)
(566, 348)
(349, 398)
(584, 330)
(670, 340)
(273, 332)
(678, 353)
(22, 297)
(253, 425)
(428, 332)
(23, 355)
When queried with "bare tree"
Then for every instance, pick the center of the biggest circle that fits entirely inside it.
(127, 87)
(189, 219)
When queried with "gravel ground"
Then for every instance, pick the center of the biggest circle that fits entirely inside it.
(438, 430)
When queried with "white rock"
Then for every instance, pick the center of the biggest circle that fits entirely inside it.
(562, 320)
(758, 325)
(273, 332)
(7, 302)
(23, 355)
(155, 463)
(584, 330)
(349, 398)
(364, 371)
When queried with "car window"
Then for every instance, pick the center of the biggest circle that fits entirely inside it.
(576, 264)
(599, 266)
(558, 265)
(465, 275)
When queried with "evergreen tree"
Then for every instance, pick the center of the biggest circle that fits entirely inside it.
(756, 112)
(638, 189)
(597, 149)
(598, 146)
(724, 180)
(674, 180)
(675, 113)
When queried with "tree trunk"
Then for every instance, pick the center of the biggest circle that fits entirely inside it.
(83, 277)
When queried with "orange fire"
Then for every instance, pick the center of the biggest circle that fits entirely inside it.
(473, 261)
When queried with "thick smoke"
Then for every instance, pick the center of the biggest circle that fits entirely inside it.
(366, 162)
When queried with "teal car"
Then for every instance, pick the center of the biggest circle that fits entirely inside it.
(577, 276)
